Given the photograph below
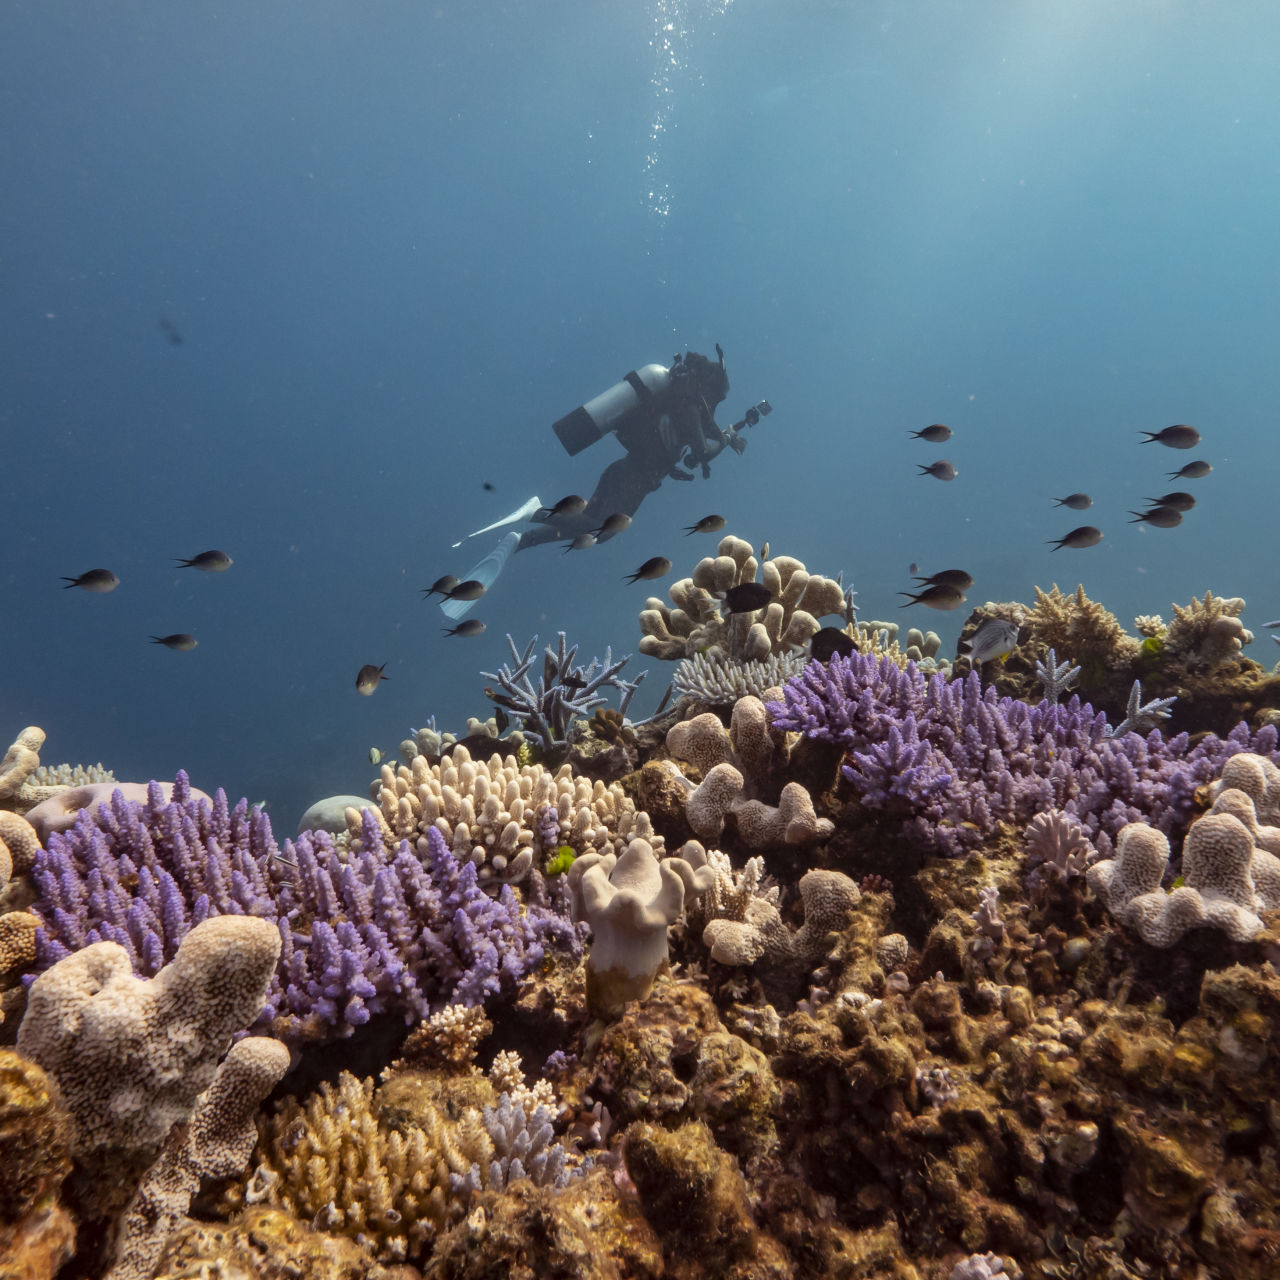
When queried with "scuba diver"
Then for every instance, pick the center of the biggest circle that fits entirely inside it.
(663, 418)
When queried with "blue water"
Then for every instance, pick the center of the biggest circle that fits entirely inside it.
(399, 241)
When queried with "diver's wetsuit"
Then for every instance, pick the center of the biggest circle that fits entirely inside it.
(682, 431)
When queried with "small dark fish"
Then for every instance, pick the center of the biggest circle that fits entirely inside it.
(935, 434)
(936, 597)
(654, 567)
(471, 627)
(940, 470)
(1180, 436)
(208, 562)
(471, 589)
(180, 641)
(580, 543)
(440, 587)
(957, 578)
(1178, 500)
(746, 597)
(569, 506)
(708, 524)
(368, 677)
(824, 644)
(1076, 501)
(1085, 536)
(913, 568)
(1192, 471)
(171, 331)
(1160, 517)
(612, 524)
(573, 682)
(99, 581)
(502, 720)
(487, 487)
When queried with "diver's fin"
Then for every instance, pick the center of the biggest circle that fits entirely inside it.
(486, 571)
(520, 513)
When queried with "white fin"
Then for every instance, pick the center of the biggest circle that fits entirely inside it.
(524, 512)
(486, 571)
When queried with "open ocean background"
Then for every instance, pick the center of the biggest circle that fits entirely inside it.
(400, 239)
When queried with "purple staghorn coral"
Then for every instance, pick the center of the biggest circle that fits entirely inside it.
(951, 759)
(362, 933)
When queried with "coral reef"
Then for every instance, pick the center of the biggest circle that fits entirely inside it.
(954, 984)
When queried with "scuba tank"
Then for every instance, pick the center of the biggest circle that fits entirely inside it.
(626, 403)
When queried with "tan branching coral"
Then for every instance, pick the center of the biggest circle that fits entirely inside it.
(495, 813)
(696, 625)
(1080, 629)
(335, 1163)
(1207, 632)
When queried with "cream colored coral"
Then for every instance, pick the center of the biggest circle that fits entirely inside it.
(881, 639)
(1258, 778)
(1207, 631)
(696, 625)
(19, 845)
(488, 811)
(1227, 880)
(1149, 625)
(216, 1144)
(20, 762)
